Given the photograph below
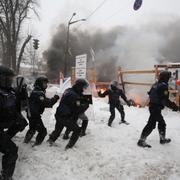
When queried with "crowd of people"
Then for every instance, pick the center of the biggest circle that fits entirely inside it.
(72, 106)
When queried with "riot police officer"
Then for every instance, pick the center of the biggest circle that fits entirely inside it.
(159, 98)
(114, 92)
(68, 111)
(8, 117)
(37, 104)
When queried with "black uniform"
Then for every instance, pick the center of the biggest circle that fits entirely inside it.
(114, 94)
(159, 97)
(21, 102)
(84, 119)
(37, 103)
(68, 111)
(8, 117)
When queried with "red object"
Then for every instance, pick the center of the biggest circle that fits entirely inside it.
(178, 82)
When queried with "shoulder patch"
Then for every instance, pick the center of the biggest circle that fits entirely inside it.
(166, 92)
(41, 98)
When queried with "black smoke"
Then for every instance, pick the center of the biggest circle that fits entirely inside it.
(128, 47)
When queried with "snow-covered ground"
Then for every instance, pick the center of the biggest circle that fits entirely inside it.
(105, 153)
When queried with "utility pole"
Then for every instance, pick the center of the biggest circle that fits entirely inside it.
(67, 43)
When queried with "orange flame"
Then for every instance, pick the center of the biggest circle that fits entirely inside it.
(102, 89)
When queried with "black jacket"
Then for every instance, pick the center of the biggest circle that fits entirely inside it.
(114, 96)
(71, 105)
(38, 102)
(159, 96)
(8, 108)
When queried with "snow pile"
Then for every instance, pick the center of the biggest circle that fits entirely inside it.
(105, 153)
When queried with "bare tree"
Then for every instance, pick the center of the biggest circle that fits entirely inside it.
(13, 13)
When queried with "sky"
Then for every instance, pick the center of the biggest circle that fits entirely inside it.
(111, 13)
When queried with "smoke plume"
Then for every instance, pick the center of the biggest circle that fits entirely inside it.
(128, 47)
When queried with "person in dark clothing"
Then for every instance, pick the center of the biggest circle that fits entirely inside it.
(159, 98)
(21, 98)
(8, 117)
(68, 111)
(84, 119)
(114, 93)
(37, 104)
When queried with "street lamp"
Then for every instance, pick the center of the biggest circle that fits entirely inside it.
(67, 42)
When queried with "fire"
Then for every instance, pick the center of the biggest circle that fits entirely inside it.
(102, 90)
(138, 105)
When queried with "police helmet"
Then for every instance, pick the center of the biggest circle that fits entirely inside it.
(164, 76)
(5, 71)
(114, 85)
(80, 84)
(6, 75)
(40, 80)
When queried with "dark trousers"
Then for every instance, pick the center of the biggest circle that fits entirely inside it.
(36, 124)
(155, 116)
(70, 125)
(120, 108)
(84, 119)
(10, 151)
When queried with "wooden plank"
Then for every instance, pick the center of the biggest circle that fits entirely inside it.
(138, 83)
(138, 72)
(102, 83)
(176, 65)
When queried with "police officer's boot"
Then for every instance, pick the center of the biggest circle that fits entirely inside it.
(40, 137)
(164, 140)
(83, 128)
(142, 142)
(29, 136)
(73, 139)
(110, 122)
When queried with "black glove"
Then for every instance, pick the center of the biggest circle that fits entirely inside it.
(56, 97)
(128, 103)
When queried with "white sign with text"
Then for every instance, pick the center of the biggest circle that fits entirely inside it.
(81, 62)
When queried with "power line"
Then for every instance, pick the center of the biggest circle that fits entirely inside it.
(113, 14)
(100, 5)
(96, 9)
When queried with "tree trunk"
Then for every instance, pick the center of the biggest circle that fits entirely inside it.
(21, 53)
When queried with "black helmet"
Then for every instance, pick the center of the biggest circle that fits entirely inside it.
(40, 80)
(164, 76)
(114, 85)
(5, 71)
(6, 75)
(80, 84)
